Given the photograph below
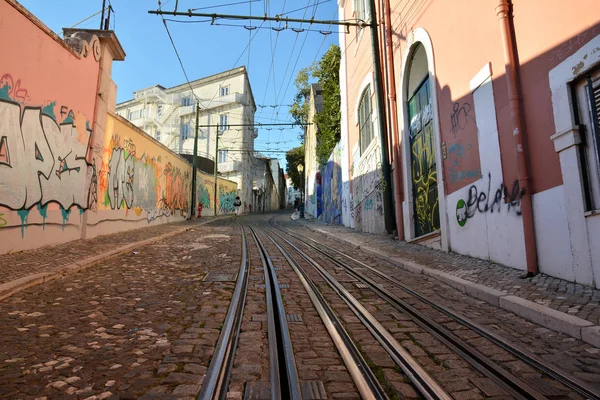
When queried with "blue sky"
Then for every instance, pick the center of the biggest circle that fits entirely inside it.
(206, 49)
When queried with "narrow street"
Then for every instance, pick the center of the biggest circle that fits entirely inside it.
(317, 318)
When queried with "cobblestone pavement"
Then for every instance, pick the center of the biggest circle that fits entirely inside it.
(142, 324)
(20, 264)
(577, 358)
(571, 298)
(47, 259)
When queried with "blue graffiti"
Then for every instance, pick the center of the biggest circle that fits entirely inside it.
(24, 214)
(456, 154)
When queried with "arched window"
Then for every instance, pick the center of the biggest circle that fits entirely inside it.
(365, 123)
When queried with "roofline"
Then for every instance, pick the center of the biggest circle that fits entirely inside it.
(200, 82)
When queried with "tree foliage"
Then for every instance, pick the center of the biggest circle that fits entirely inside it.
(300, 106)
(294, 157)
(326, 73)
(328, 120)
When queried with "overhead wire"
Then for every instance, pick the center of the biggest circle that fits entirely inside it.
(225, 5)
(177, 54)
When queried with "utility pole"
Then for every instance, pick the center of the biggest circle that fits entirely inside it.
(385, 167)
(195, 161)
(216, 170)
(102, 16)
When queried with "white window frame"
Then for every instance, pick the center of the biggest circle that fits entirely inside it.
(366, 95)
(223, 156)
(224, 90)
(223, 122)
(185, 131)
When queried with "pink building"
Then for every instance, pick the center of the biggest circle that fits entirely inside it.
(491, 115)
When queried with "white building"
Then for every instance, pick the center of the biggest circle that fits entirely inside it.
(226, 100)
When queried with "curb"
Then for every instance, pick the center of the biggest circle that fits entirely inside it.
(10, 288)
(559, 321)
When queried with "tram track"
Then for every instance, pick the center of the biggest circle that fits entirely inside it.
(518, 388)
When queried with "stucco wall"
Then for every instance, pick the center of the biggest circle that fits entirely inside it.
(47, 98)
(61, 180)
(141, 182)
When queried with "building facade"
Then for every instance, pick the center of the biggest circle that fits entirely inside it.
(312, 173)
(492, 128)
(226, 106)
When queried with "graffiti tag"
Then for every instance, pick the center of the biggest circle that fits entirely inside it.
(490, 201)
(461, 114)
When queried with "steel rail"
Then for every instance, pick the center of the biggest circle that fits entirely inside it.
(274, 378)
(426, 385)
(280, 334)
(552, 371)
(217, 375)
(364, 379)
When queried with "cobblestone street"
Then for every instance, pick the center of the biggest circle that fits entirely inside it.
(142, 322)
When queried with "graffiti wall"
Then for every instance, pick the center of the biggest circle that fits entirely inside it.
(332, 188)
(368, 186)
(138, 180)
(485, 215)
(47, 97)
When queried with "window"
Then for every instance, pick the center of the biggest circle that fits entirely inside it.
(136, 114)
(224, 91)
(223, 123)
(365, 124)
(588, 98)
(187, 101)
(159, 110)
(223, 156)
(185, 132)
(360, 9)
(158, 135)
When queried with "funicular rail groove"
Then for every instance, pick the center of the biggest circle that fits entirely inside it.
(284, 382)
(421, 380)
(218, 373)
(509, 382)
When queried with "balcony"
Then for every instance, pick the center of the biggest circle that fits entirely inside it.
(232, 98)
(186, 110)
(230, 166)
(158, 94)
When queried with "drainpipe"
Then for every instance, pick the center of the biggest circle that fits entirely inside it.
(505, 17)
(393, 119)
(385, 168)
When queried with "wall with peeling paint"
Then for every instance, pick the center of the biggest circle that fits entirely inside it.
(47, 101)
(69, 167)
(142, 182)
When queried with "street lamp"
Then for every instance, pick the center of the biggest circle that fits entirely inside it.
(301, 172)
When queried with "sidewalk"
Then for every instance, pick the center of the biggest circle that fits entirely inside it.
(24, 269)
(554, 303)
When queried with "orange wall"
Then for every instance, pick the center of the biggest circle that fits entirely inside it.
(47, 99)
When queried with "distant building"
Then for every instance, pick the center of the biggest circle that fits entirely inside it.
(312, 165)
(226, 100)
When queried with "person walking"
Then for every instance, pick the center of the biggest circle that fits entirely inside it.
(237, 204)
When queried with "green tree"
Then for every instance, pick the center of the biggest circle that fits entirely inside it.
(300, 106)
(326, 73)
(328, 120)
(294, 157)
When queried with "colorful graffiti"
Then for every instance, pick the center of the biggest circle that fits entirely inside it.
(132, 179)
(456, 154)
(423, 164)
(226, 199)
(332, 188)
(42, 160)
